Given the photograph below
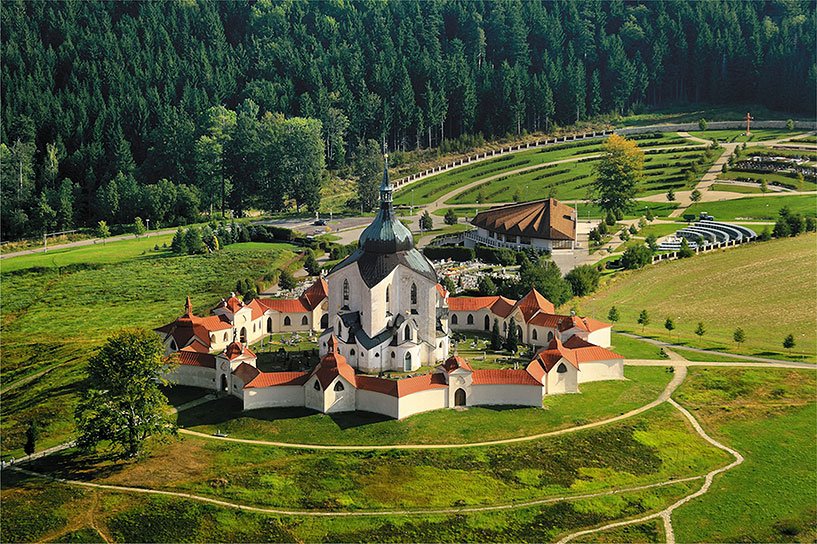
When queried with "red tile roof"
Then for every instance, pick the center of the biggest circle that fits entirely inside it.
(503, 377)
(236, 349)
(575, 351)
(533, 303)
(503, 306)
(315, 294)
(454, 362)
(547, 320)
(256, 308)
(234, 304)
(470, 304)
(441, 290)
(272, 379)
(191, 357)
(285, 305)
(548, 219)
(215, 323)
(403, 386)
(333, 365)
(246, 373)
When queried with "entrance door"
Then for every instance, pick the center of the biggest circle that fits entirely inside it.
(459, 397)
(224, 383)
(243, 335)
(407, 362)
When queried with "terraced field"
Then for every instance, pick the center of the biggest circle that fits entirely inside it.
(430, 189)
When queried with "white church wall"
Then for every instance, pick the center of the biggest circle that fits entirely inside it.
(505, 394)
(422, 401)
(379, 403)
(600, 337)
(313, 398)
(562, 382)
(339, 401)
(273, 397)
(601, 370)
(194, 376)
(543, 335)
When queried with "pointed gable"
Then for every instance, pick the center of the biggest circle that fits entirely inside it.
(534, 303)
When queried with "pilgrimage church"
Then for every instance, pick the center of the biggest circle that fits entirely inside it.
(383, 309)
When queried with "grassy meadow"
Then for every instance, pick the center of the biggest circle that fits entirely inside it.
(56, 314)
(765, 288)
(760, 208)
(768, 415)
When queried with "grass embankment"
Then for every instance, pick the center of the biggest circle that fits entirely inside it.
(760, 208)
(429, 189)
(735, 188)
(654, 447)
(768, 415)
(664, 169)
(597, 401)
(55, 316)
(766, 288)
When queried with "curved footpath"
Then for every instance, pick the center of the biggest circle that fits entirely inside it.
(665, 514)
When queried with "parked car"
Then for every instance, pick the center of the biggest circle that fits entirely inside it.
(706, 217)
(319, 223)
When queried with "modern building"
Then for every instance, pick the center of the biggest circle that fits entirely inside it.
(542, 225)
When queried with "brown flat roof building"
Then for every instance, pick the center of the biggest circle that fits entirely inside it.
(543, 225)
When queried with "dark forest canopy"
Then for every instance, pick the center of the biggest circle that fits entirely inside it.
(154, 99)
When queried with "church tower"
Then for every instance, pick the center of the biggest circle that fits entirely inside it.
(386, 307)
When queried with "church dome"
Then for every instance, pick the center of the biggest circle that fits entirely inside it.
(386, 234)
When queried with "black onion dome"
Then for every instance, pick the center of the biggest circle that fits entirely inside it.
(386, 234)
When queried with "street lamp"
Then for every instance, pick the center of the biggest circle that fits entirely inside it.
(148, 223)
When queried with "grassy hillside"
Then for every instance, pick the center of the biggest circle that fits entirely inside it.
(54, 317)
(763, 208)
(766, 288)
(767, 415)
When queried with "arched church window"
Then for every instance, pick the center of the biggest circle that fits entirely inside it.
(453, 319)
(173, 345)
(339, 386)
(470, 319)
(345, 290)
(387, 293)
(414, 293)
(561, 369)
(304, 321)
(352, 353)
(407, 333)
(317, 385)
(550, 336)
(225, 336)
(535, 335)
(287, 321)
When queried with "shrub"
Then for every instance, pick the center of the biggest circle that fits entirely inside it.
(503, 256)
(702, 124)
(636, 256)
(450, 217)
(583, 279)
(286, 281)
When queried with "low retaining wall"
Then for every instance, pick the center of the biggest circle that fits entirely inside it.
(672, 255)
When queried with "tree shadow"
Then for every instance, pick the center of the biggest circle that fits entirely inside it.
(77, 465)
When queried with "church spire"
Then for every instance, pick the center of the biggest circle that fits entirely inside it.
(385, 186)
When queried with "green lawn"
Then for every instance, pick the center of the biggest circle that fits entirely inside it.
(43, 510)
(633, 348)
(652, 447)
(598, 400)
(54, 318)
(734, 188)
(708, 357)
(109, 253)
(760, 287)
(763, 208)
(768, 415)
(757, 135)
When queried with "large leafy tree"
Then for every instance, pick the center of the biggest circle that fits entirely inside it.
(121, 403)
(617, 175)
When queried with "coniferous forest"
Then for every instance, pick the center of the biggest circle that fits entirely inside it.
(164, 110)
